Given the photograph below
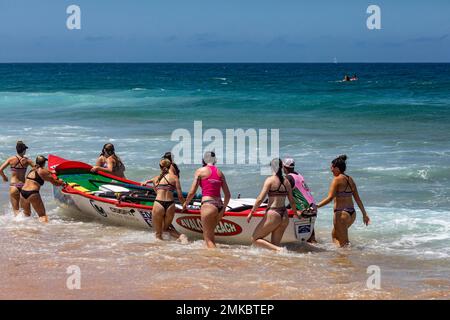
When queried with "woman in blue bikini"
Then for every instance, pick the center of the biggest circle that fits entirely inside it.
(343, 190)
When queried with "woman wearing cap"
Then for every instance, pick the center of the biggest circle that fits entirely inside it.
(343, 190)
(276, 217)
(173, 167)
(18, 165)
(109, 162)
(164, 205)
(211, 180)
(29, 194)
(300, 191)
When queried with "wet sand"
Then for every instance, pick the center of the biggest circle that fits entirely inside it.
(118, 263)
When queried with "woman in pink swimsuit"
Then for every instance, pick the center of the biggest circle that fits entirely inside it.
(18, 165)
(211, 180)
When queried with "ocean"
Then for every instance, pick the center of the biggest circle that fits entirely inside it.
(393, 124)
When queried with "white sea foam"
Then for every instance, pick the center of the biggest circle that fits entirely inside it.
(386, 168)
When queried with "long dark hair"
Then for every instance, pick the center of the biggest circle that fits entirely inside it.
(109, 151)
(340, 163)
(21, 147)
(168, 156)
(277, 166)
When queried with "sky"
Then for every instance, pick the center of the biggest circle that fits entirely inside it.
(224, 31)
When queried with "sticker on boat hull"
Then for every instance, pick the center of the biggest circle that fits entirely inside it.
(224, 228)
(122, 211)
(147, 216)
(99, 209)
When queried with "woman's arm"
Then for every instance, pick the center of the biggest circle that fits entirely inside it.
(109, 166)
(47, 176)
(30, 163)
(193, 189)
(262, 195)
(226, 195)
(146, 182)
(360, 204)
(331, 194)
(2, 168)
(99, 161)
(291, 198)
(179, 191)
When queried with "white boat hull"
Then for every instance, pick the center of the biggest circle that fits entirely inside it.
(232, 229)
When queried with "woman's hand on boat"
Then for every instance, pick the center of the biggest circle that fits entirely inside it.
(249, 217)
(94, 169)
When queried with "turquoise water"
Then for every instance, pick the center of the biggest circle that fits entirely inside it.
(394, 125)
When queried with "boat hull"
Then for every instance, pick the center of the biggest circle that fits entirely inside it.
(233, 228)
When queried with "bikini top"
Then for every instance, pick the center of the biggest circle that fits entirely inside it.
(345, 193)
(37, 178)
(16, 167)
(278, 192)
(118, 165)
(166, 186)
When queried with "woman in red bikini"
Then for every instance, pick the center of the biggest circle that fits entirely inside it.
(276, 218)
(211, 180)
(343, 190)
(18, 165)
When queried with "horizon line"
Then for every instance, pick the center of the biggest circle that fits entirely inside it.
(224, 62)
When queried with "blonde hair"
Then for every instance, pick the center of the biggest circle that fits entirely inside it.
(164, 164)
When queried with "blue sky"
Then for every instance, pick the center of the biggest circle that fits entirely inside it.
(224, 31)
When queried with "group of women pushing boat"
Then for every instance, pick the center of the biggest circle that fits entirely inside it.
(24, 193)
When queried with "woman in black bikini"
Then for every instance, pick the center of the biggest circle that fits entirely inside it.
(342, 190)
(276, 218)
(18, 165)
(109, 162)
(164, 205)
(29, 194)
